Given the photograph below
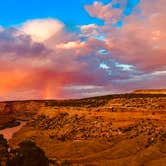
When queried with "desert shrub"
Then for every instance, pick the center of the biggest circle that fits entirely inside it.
(28, 155)
(3, 150)
(65, 163)
(3, 141)
(127, 129)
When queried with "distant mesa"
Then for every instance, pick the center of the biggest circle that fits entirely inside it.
(150, 91)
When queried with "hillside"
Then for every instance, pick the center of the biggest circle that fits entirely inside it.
(116, 130)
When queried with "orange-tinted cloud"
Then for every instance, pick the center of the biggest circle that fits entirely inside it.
(41, 60)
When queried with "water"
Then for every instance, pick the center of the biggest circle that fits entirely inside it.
(9, 132)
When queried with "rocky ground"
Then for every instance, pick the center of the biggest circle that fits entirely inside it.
(116, 130)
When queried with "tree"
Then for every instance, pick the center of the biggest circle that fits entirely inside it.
(3, 150)
(28, 155)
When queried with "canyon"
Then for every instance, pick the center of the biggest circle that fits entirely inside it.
(116, 130)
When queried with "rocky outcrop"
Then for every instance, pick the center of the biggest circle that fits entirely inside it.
(150, 91)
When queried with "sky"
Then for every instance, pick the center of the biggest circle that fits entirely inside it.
(80, 48)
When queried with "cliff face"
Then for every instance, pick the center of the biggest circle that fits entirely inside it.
(150, 91)
(10, 112)
(6, 114)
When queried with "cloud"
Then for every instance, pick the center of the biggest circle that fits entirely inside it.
(101, 11)
(42, 29)
(89, 30)
(141, 41)
(71, 45)
(1, 28)
(41, 59)
(41, 70)
(114, 12)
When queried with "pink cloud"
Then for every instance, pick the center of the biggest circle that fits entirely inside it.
(103, 12)
(141, 41)
(42, 70)
(50, 62)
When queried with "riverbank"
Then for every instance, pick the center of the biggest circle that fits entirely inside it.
(10, 124)
(8, 132)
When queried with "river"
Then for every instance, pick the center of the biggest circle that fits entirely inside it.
(9, 132)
